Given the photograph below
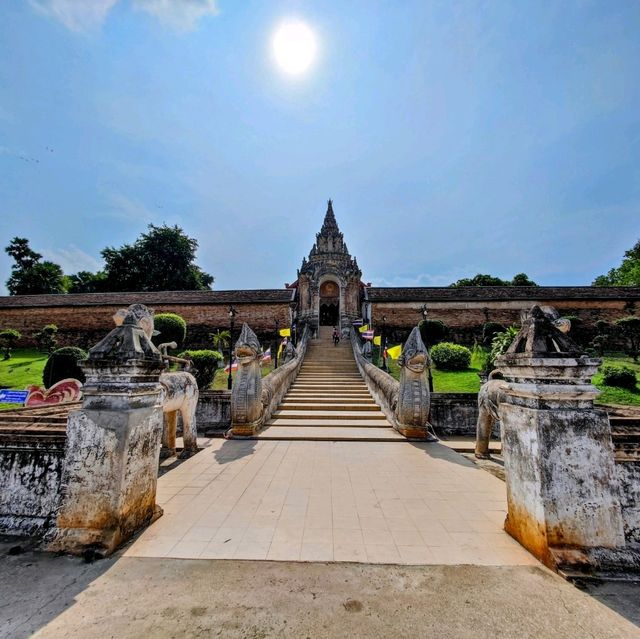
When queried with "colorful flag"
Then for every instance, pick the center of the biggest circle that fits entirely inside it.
(357, 322)
(364, 328)
(266, 357)
(234, 366)
(285, 332)
(367, 334)
(283, 343)
(377, 340)
(395, 351)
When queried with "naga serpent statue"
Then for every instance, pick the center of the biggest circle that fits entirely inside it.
(246, 396)
(414, 399)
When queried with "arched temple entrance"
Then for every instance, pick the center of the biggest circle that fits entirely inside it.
(329, 311)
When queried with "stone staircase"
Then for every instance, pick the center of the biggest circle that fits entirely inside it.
(329, 400)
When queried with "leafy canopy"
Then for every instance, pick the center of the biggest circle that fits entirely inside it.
(30, 275)
(521, 279)
(627, 274)
(160, 260)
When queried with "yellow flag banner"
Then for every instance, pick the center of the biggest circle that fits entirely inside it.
(285, 332)
(395, 351)
(364, 328)
(378, 340)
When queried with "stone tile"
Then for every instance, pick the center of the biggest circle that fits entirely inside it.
(349, 552)
(376, 537)
(312, 551)
(200, 533)
(415, 555)
(382, 553)
(407, 538)
(317, 536)
(188, 549)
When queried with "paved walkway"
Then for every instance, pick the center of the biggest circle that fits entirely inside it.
(370, 502)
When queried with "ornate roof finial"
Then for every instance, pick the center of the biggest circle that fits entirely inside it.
(329, 225)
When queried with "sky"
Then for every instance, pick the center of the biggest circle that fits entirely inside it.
(454, 137)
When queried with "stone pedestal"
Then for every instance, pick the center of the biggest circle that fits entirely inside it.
(561, 480)
(113, 447)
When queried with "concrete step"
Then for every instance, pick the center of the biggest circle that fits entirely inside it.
(327, 423)
(314, 406)
(304, 399)
(328, 414)
(330, 434)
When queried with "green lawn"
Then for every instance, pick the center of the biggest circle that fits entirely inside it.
(612, 395)
(23, 369)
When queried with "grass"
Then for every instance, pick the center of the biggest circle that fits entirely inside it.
(23, 369)
(613, 395)
(466, 381)
(220, 380)
(26, 364)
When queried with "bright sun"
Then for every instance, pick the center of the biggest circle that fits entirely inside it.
(294, 47)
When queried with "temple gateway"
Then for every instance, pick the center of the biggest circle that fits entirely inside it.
(328, 291)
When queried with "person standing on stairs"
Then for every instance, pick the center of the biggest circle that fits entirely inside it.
(336, 336)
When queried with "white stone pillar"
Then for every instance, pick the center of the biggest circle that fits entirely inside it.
(561, 480)
(113, 445)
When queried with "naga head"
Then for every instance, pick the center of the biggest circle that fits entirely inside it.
(247, 347)
(414, 353)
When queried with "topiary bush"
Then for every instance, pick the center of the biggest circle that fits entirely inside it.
(8, 339)
(63, 364)
(171, 327)
(451, 357)
(206, 364)
(620, 376)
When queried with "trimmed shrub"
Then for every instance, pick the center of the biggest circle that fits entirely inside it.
(433, 331)
(171, 327)
(451, 357)
(46, 338)
(8, 339)
(620, 376)
(62, 364)
(206, 364)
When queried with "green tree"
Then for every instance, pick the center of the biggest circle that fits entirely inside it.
(86, 282)
(433, 331)
(46, 338)
(522, 279)
(160, 260)
(627, 274)
(30, 275)
(483, 279)
(220, 339)
(8, 339)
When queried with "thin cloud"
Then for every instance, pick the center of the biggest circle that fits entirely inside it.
(76, 15)
(182, 16)
(72, 259)
(86, 15)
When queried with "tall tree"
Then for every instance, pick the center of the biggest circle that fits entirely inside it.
(521, 279)
(627, 274)
(30, 275)
(160, 260)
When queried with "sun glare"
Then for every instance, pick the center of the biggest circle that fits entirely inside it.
(294, 47)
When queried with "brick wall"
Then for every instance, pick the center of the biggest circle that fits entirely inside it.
(85, 326)
(465, 319)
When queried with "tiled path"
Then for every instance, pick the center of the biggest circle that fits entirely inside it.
(371, 502)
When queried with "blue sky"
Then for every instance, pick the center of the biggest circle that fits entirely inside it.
(453, 137)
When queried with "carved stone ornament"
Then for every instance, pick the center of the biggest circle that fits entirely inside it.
(246, 403)
(289, 353)
(413, 405)
(130, 340)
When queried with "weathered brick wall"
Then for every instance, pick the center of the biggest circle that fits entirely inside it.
(86, 325)
(465, 319)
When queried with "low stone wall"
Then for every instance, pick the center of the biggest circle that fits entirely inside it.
(455, 414)
(214, 411)
(30, 476)
(629, 495)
